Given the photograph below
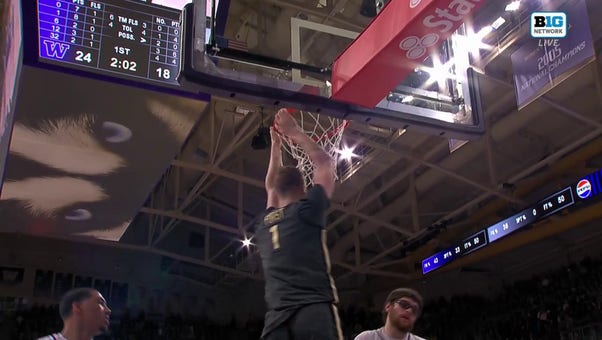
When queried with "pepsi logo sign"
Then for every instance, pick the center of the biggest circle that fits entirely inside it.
(584, 188)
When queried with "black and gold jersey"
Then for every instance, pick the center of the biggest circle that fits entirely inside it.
(295, 259)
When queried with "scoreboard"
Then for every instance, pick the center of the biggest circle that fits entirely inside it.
(583, 190)
(126, 38)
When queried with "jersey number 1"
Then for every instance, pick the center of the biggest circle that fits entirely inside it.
(275, 237)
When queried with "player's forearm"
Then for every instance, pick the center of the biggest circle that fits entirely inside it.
(274, 165)
(316, 154)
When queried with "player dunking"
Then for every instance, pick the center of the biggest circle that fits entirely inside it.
(299, 291)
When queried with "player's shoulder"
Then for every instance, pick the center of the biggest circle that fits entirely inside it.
(50, 337)
(317, 195)
(367, 335)
(272, 216)
(317, 188)
(416, 337)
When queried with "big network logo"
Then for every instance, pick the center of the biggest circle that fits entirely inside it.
(547, 25)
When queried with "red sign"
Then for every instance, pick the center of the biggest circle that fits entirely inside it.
(395, 42)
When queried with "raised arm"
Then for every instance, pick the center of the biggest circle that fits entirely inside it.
(323, 170)
(273, 167)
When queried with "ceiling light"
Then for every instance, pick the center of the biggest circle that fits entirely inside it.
(513, 6)
(439, 72)
(246, 242)
(498, 22)
(242, 110)
(347, 153)
(484, 31)
(474, 44)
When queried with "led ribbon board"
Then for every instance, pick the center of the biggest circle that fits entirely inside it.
(583, 190)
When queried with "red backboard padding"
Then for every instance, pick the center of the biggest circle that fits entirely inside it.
(394, 43)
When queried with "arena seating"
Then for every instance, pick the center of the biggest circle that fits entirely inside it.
(565, 304)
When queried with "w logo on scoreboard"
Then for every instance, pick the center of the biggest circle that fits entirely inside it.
(55, 49)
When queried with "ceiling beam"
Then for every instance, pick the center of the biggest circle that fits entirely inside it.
(197, 220)
(450, 173)
(213, 169)
(551, 102)
(369, 218)
(414, 204)
(390, 183)
(243, 134)
(543, 230)
(153, 250)
(549, 160)
(260, 184)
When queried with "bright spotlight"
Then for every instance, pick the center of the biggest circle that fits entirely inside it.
(246, 242)
(484, 31)
(473, 42)
(513, 6)
(439, 72)
(347, 153)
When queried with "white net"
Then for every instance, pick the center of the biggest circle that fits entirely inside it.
(326, 131)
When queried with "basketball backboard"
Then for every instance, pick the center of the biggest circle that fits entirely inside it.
(293, 63)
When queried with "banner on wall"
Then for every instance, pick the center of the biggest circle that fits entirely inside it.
(63, 282)
(11, 276)
(42, 284)
(541, 64)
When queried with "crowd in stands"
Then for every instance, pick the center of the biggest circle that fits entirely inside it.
(39, 321)
(545, 307)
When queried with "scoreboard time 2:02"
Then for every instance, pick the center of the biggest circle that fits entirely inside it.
(117, 37)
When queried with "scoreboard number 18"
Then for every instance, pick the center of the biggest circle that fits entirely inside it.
(164, 73)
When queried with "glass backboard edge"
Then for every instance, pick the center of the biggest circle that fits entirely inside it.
(199, 71)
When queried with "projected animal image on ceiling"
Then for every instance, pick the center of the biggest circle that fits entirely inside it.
(85, 154)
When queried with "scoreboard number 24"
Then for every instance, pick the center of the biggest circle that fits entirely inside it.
(81, 56)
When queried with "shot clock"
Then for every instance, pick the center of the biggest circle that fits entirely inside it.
(116, 37)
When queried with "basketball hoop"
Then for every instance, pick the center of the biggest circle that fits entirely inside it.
(326, 131)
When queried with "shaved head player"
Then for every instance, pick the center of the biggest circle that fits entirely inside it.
(299, 291)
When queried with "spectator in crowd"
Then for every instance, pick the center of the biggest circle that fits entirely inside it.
(402, 308)
(571, 298)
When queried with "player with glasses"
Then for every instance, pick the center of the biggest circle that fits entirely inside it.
(402, 308)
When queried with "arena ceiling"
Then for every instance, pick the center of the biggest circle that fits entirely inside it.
(408, 197)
